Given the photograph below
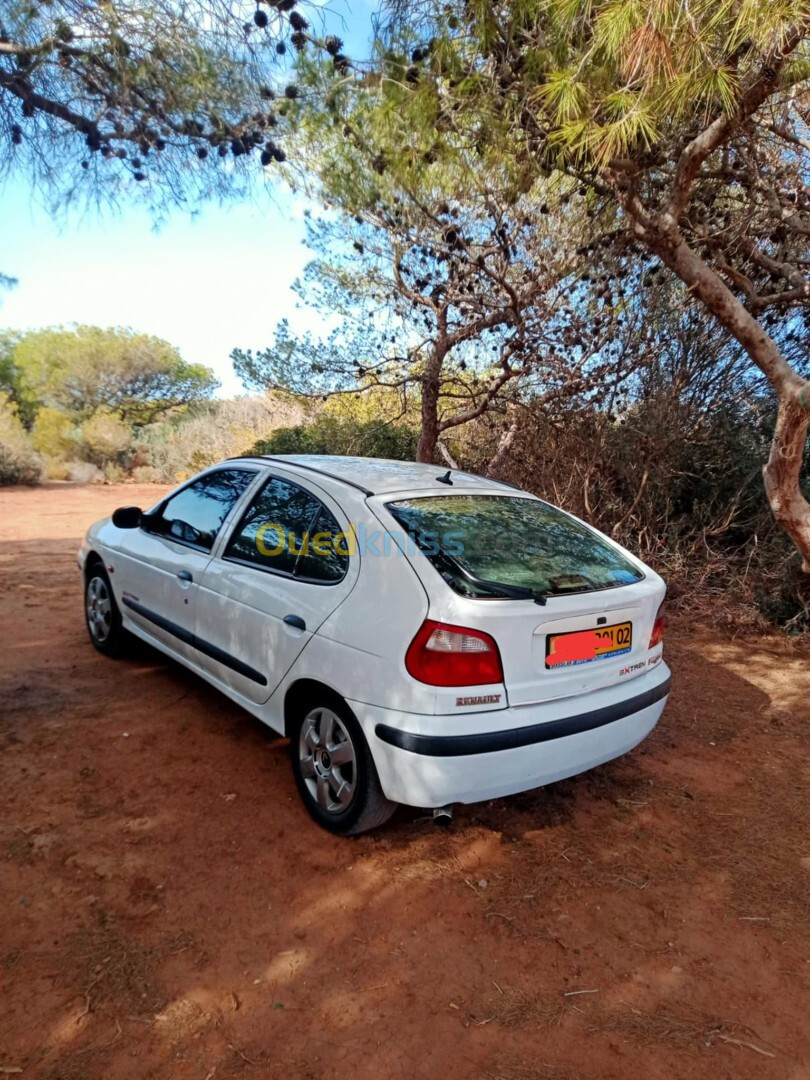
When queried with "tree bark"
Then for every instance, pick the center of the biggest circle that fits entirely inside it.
(502, 452)
(429, 435)
(782, 472)
(431, 386)
(783, 469)
(445, 453)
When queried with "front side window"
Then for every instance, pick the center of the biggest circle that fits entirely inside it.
(289, 531)
(518, 542)
(195, 514)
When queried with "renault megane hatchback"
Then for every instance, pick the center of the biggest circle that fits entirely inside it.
(421, 636)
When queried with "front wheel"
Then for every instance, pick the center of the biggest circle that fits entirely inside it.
(101, 613)
(334, 770)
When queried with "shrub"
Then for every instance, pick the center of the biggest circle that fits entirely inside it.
(105, 438)
(114, 474)
(332, 435)
(56, 468)
(146, 474)
(84, 472)
(19, 462)
(18, 465)
(212, 432)
(54, 434)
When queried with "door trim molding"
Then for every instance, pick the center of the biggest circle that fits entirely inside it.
(198, 643)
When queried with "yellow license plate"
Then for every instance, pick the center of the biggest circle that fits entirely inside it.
(584, 646)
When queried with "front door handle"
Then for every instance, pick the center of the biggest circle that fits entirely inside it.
(296, 621)
(185, 575)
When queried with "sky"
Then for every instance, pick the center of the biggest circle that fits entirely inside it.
(207, 285)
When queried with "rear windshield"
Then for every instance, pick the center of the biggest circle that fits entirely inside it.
(512, 540)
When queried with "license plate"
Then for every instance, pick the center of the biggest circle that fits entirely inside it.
(585, 646)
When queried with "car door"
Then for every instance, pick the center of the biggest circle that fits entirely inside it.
(159, 565)
(285, 567)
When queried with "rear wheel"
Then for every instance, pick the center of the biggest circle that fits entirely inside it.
(334, 770)
(101, 612)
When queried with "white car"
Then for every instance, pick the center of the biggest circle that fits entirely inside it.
(421, 636)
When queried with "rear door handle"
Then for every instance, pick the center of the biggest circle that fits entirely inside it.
(296, 621)
(185, 575)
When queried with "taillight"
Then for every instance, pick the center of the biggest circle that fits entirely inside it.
(444, 655)
(657, 635)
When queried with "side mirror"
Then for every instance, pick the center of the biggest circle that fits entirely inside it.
(127, 517)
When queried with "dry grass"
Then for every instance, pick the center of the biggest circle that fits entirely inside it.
(654, 1027)
(112, 968)
(511, 1007)
(769, 880)
(686, 1029)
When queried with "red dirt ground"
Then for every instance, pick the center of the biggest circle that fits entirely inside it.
(169, 910)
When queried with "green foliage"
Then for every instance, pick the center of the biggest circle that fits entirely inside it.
(169, 102)
(86, 369)
(447, 296)
(106, 439)
(54, 433)
(211, 431)
(674, 122)
(85, 394)
(603, 78)
(292, 363)
(335, 435)
(19, 464)
(9, 372)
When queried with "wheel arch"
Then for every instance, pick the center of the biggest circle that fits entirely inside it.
(303, 690)
(93, 559)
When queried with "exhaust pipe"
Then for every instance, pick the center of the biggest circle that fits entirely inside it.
(443, 815)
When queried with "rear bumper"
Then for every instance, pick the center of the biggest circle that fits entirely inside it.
(432, 761)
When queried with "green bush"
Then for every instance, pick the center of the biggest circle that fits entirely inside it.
(213, 431)
(54, 434)
(106, 439)
(333, 435)
(19, 463)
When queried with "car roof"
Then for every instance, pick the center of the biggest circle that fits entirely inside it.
(381, 476)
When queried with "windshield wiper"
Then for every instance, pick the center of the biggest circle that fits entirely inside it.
(497, 588)
(514, 592)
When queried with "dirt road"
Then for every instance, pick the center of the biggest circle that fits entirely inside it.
(168, 909)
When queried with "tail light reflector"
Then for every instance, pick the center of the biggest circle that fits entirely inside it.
(445, 655)
(657, 635)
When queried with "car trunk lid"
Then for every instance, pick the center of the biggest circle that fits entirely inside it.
(538, 663)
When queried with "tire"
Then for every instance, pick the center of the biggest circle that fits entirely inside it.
(101, 613)
(333, 768)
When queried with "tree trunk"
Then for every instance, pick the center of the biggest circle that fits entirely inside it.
(431, 385)
(445, 453)
(502, 453)
(782, 472)
(429, 435)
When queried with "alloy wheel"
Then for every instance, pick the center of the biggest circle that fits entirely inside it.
(99, 609)
(328, 760)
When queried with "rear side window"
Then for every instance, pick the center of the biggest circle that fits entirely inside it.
(289, 531)
(195, 514)
(511, 540)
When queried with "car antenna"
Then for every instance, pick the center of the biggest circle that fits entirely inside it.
(446, 479)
